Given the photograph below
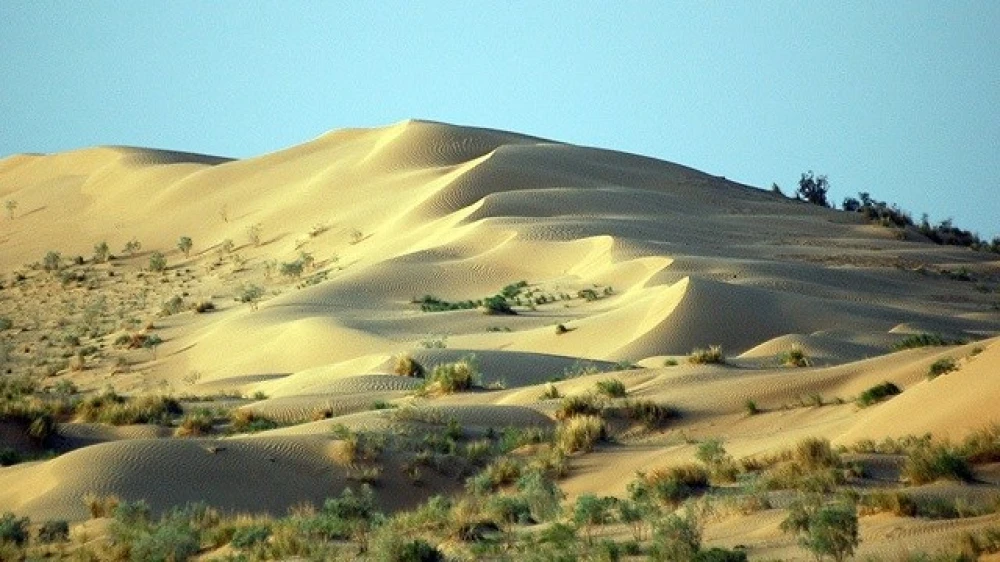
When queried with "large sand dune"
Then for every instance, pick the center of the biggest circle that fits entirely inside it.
(639, 260)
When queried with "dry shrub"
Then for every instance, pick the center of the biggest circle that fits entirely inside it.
(579, 405)
(712, 355)
(407, 366)
(100, 506)
(580, 433)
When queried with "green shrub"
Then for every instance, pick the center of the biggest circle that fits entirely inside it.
(52, 261)
(825, 530)
(53, 531)
(712, 355)
(612, 388)
(651, 414)
(579, 405)
(941, 366)
(195, 424)
(794, 357)
(454, 377)
(923, 340)
(184, 244)
(166, 542)
(877, 393)
(676, 538)
(669, 486)
(13, 529)
(497, 305)
(157, 261)
(935, 462)
(750, 407)
(247, 537)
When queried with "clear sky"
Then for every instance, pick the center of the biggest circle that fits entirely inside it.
(898, 98)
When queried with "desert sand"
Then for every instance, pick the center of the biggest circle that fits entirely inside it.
(640, 260)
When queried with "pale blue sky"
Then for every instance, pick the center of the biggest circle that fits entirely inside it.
(899, 98)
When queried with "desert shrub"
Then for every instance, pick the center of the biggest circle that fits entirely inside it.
(9, 456)
(5, 323)
(794, 357)
(814, 453)
(579, 405)
(750, 407)
(676, 538)
(454, 377)
(53, 531)
(203, 306)
(43, 428)
(550, 392)
(157, 261)
(101, 252)
(497, 304)
(52, 261)
(612, 388)
(982, 445)
(720, 464)
(923, 340)
(254, 232)
(580, 433)
(247, 537)
(292, 269)
(674, 484)
(877, 393)
(825, 530)
(173, 305)
(13, 529)
(394, 547)
(352, 505)
(132, 247)
(250, 293)
(590, 511)
(407, 366)
(100, 506)
(941, 366)
(561, 329)
(717, 554)
(166, 542)
(650, 414)
(115, 409)
(811, 466)
(184, 244)
(195, 424)
(712, 355)
(243, 420)
(935, 462)
(895, 502)
(813, 189)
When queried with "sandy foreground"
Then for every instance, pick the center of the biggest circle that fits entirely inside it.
(639, 260)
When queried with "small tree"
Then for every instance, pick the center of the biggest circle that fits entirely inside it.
(101, 252)
(184, 244)
(132, 247)
(813, 189)
(591, 510)
(157, 261)
(11, 206)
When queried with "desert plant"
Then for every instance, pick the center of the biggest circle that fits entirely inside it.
(712, 355)
(931, 462)
(453, 377)
(292, 269)
(157, 261)
(11, 206)
(195, 424)
(100, 506)
(13, 529)
(497, 305)
(101, 252)
(877, 393)
(825, 530)
(940, 367)
(407, 366)
(590, 511)
(561, 329)
(132, 247)
(184, 244)
(750, 407)
(250, 293)
(254, 232)
(813, 189)
(53, 531)
(580, 433)
(674, 484)
(794, 357)
(171, 306)
(650, 414)
(579, 405)
(550, 392)
(356, 236)
(52, 261)
(612, 388)
(676, 538)
(923, 340)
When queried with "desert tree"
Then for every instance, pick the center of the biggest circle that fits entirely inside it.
(184, 244)
(157, 261)
(813, 189)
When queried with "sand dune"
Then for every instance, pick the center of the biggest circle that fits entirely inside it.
(624, 260)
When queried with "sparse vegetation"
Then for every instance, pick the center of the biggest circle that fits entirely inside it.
(453, 377)
(184, 244)
(407, 366)
(795, 356)
(940, 367)
(580, 433)
(711, 356)
(924, 340)
(612, 388)
(877, 393)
